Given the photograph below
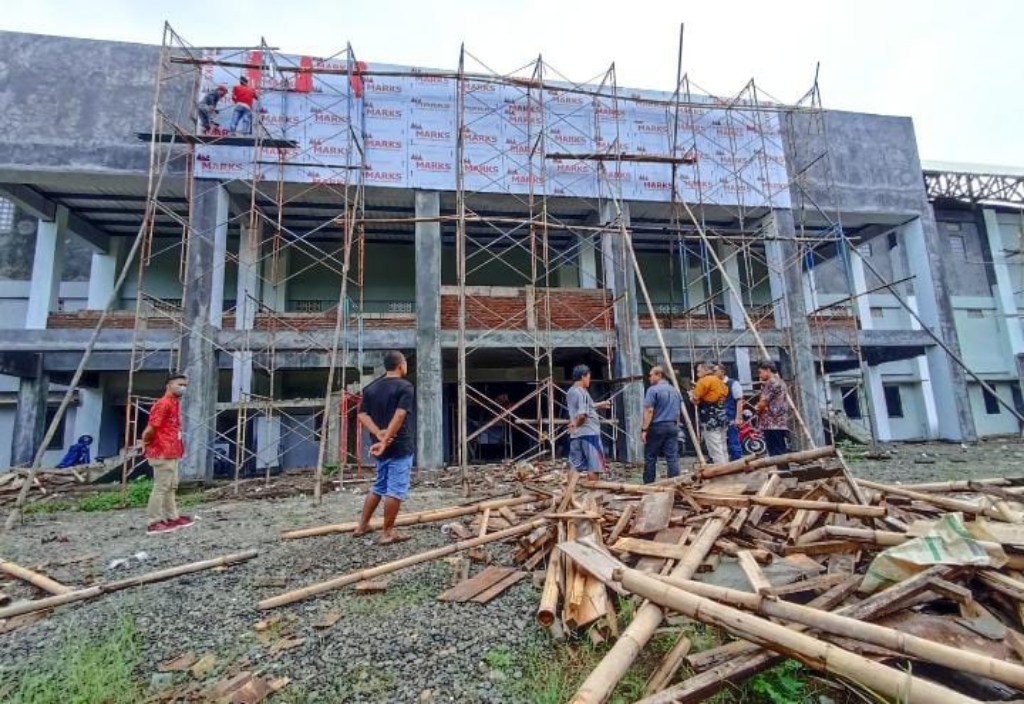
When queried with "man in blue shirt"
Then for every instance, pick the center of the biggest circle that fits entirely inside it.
(734, 405)
(660, 427)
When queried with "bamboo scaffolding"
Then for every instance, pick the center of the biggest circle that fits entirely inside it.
(34, 578)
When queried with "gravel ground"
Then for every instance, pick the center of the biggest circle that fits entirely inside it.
(400, 646)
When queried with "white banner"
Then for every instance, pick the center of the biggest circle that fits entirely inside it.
(399, 126)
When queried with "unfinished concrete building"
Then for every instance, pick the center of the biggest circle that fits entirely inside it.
(496, 228)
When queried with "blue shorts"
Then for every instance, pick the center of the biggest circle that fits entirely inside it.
(585, 454)
(393, 475)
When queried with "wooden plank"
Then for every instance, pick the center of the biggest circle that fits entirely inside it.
(752, 570)
(593, 561)
(593, 603)
(371, 586)
(676, 535)
(654, 513)
(487, 594)
(651, 548)
(820, 583)
(508, 515)
(466, 590)
(804, 563)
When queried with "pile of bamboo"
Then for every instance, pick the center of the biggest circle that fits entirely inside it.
(768, 552)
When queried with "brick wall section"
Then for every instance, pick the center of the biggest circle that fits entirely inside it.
(566, 309)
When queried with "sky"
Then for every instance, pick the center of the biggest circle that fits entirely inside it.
(952, 66)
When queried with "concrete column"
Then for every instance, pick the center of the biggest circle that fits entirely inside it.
(102, 276)
(89, 414)
(1004, 295)
(588, 263)
(878, 415)
(246, 302)
(931, 412)
(202, 310)
(620, 279)
(429, 373)
(47, 267)
(275, 280)
(728, 254)
(925, 253)
(786, 272)
(30, 415)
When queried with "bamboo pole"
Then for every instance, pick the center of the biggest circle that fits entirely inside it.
(395, 565)
(34, 578)
(668, 667)
(901, 686)
(855, 510)
(940, 501)
(750, 465)
(549, 597)
(100, 589)
(602, 680)
(411, 519)
(837, 625)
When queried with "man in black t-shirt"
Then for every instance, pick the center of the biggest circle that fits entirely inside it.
(385, 406)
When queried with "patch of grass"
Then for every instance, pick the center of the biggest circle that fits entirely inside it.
(136, 496)
(500, 658)
(44, 507)
(785, 683)
(396, 598)
(100, 670)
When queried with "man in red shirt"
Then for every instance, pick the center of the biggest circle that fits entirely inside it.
(164, 448)
(243, 96)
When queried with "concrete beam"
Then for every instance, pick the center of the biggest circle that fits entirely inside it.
(429, 378)
(39, 206)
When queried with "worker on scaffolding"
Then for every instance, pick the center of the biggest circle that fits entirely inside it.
(734, 404)
(243, 96)
(659, 430)
(585, 451)
(773, 409)
(385, 405)
(207, 108)
(709, 394)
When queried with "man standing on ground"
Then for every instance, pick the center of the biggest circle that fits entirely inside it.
(385, 406)
(660, 427)
(164, 447)
(773, 409)
(709, 394)
(243, 96)
(585, 451)
(734, 404)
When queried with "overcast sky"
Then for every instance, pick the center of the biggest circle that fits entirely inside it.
(952, 66)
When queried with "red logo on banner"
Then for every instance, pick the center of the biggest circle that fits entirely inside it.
(304, 78)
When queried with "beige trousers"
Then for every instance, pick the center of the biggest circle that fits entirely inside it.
(162, 506)
(717, 446)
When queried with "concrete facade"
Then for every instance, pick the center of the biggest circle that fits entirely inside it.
(78, 180)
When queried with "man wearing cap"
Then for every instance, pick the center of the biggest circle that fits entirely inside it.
(207, 107)
(585, 452)
(660, 428)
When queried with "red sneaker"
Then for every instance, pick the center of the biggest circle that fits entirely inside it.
(161, 527)
(182, 521)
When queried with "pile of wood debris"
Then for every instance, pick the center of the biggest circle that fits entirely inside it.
(782, 554)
